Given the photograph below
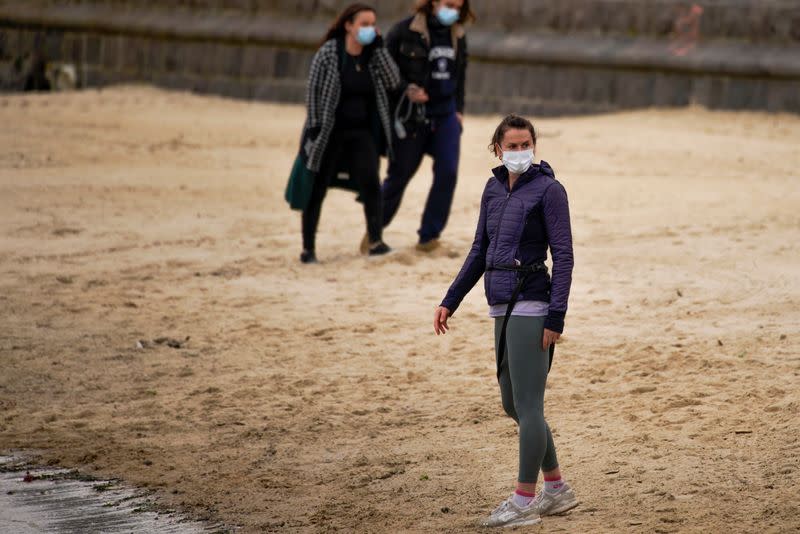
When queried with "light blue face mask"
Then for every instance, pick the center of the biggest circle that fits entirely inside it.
(447, 15)
(366, 34)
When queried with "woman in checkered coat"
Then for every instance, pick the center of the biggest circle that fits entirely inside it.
(348, 119)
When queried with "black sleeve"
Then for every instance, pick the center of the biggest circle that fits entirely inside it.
(462, 75)
(392, 41)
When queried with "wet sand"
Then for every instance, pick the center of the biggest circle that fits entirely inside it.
(59, 500)
(317, 398)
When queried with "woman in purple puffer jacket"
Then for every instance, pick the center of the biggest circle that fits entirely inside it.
(524, 211)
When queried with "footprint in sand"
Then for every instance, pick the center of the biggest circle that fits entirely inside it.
(61, 232)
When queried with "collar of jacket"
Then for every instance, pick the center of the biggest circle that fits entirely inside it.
(419, 24)
(501, 173)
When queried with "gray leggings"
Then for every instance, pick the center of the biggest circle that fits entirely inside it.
(523, 377)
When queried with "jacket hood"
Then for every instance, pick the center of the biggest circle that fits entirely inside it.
(501, 173)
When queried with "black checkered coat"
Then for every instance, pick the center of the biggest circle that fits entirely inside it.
(324, 89)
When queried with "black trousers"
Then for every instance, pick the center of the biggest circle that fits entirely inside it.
(353, 151)
(442, 140)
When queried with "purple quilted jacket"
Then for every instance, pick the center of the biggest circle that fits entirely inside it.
(519, 225)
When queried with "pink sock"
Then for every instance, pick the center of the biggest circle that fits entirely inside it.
(552, 485)
(523, 498)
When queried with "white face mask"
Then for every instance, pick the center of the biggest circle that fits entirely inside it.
(519, 161)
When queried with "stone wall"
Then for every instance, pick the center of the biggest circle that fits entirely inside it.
(531, 56)
(751, 20)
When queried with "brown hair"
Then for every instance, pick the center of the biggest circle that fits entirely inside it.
(466, 14)
(336, 30)
(511, 122)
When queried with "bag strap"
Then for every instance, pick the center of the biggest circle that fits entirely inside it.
(525, 270)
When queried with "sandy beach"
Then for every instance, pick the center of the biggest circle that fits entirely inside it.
(318, 399)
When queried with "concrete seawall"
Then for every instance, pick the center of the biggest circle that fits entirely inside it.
(567, 57)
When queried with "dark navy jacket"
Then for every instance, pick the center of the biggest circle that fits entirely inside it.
(410, 42)
(520, 225)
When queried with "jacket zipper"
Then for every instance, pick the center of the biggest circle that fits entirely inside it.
(497, 236)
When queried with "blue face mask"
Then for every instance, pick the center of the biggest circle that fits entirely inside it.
(366, 34)
(447, 15)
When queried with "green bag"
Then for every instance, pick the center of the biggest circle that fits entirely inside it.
(301, 182)
(298, 189)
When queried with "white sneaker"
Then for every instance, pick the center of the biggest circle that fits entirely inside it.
(547, 503)
(509, 514)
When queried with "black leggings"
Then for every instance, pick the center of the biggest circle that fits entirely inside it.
(355, 152)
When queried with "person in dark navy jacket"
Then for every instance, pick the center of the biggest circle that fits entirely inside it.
(523, 213)
(430, 49)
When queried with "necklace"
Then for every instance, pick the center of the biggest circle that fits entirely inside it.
(356, 61)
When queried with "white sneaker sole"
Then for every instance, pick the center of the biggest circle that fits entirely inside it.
(565, 507)
(524, 522)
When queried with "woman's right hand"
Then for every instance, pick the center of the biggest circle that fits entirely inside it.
(416, 94)
(440, 320)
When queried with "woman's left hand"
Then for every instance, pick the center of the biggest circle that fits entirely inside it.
(549, 338)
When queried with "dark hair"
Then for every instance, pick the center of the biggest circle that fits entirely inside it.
(336, 30)
(466, 14)
(511, 122)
